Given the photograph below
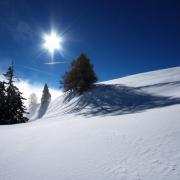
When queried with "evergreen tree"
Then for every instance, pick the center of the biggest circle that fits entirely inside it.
(13, 108)
(45, 100)
(80, 76)
(2, 102)
(33, 105)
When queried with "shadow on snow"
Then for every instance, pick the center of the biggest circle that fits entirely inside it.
(117, 100)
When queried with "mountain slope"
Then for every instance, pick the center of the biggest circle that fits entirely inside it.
(128, 128)
(137, 92)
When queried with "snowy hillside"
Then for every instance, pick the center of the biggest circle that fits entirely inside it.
(123, 129)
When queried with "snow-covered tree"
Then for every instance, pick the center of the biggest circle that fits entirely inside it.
(33, 100)
(33, 105)
(13, 108)
(45, 100)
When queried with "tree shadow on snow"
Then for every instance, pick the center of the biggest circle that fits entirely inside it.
(116, 100)
(174, 83)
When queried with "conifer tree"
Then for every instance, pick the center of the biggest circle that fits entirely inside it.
(45, 100)
(2, 102)
(80, 76)
(33, 105)
(14, 109)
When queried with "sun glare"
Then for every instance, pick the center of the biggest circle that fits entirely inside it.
(52, 42)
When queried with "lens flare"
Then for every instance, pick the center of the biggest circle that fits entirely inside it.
(52, 42)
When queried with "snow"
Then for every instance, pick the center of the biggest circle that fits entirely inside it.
(124, 129)
(28, 88)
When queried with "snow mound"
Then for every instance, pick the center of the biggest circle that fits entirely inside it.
(124, 95)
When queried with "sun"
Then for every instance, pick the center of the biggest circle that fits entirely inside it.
(52, 42)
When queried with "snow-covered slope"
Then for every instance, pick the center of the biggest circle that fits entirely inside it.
(128, 128)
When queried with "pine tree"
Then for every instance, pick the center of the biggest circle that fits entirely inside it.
(45, 100)
(13, 108)
(2, 102)
(80, 76)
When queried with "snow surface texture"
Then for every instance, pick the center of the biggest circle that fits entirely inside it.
(124, 129)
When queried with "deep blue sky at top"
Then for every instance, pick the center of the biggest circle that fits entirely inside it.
(121, 37)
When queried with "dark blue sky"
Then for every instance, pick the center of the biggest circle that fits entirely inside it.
(121, 37)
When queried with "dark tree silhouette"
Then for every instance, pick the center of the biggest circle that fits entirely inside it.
(13, 107)
(45, 100)
(2, 102)
(80, 76)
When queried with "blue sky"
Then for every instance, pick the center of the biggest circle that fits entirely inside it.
(121, 37)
